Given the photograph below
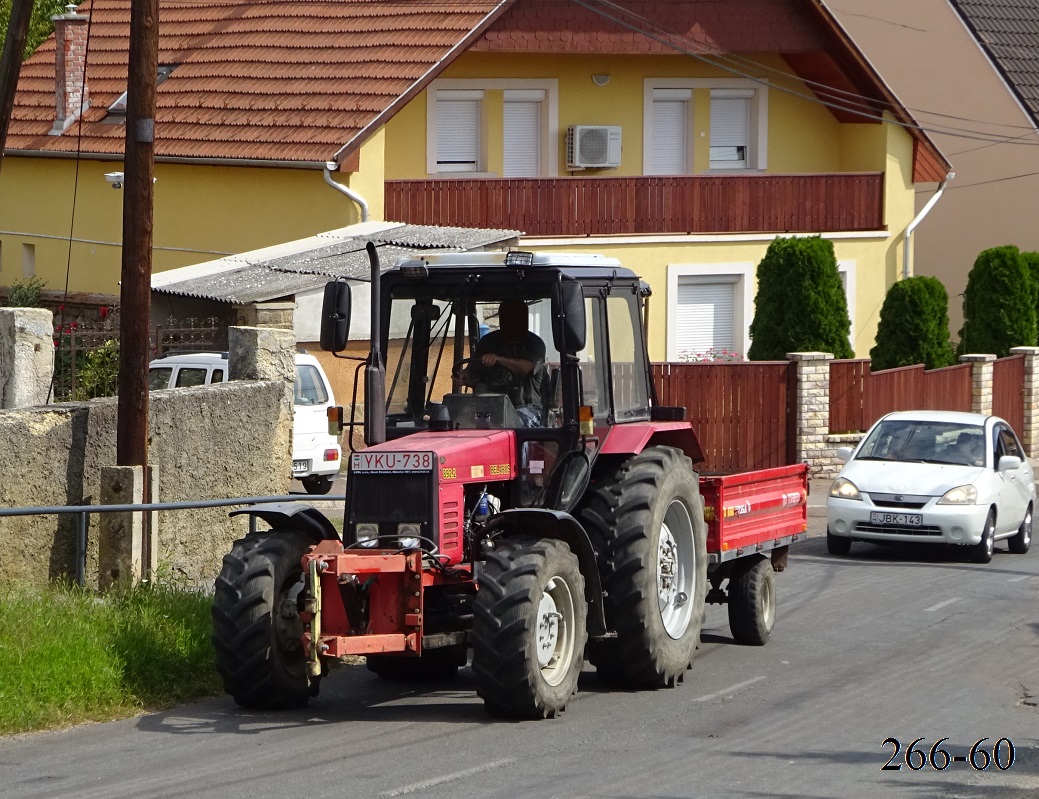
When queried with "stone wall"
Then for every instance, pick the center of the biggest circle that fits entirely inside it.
(228, 440)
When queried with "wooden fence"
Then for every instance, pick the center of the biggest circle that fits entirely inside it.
(858, 397)
(1008, 390)
(742, 412)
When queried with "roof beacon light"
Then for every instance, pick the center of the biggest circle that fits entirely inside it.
(519, 259)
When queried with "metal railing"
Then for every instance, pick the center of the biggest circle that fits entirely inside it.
(84, 512)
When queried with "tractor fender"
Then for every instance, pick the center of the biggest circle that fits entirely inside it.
(560, 526)
(293, 516)
(631, 439)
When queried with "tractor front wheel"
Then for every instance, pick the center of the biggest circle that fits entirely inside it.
(529, 629)
(257, 631)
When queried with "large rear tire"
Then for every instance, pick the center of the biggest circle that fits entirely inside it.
(647, 522)
(529, 629)
(257, 631)
(752, 600)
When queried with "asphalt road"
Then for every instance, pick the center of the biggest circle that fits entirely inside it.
(885, 643)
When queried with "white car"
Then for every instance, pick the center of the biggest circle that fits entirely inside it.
(316, 455)
(934, 476)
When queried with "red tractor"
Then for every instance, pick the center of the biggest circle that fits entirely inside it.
(523, 500)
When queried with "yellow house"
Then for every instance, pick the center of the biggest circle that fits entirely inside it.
(681, 137)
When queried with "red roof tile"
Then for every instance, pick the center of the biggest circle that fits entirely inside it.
(300, 81)
(254, 79)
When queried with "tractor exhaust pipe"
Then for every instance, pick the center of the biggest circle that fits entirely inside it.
(374, 372)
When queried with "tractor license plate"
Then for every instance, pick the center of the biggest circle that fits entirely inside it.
(900, 519)
(300, 467)
(393, 462)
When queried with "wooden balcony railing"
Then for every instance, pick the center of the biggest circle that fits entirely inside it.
(571, 206)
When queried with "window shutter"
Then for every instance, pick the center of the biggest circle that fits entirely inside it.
(670, 136)
(522, 141)
(730, 128)
(458, 132)
(706, 316)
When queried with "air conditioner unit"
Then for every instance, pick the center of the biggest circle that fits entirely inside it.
(593, 146)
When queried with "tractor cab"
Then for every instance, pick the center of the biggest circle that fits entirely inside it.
(549, 347)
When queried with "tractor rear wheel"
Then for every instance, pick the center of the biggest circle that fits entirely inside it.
(257, 631)
(647, 523)
(529, 628)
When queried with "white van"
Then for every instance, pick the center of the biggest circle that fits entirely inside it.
(316, 455)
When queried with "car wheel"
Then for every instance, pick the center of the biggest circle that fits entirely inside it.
(982, 551)
(837, 544)
(1020, 543)
(317, 484)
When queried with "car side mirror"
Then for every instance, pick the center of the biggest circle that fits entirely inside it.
(1009, 463)
(845, 453)
(568, 321)
(335, 316)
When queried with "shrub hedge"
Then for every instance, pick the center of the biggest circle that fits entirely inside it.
(800, 305)
(914, 326)
(999, 304)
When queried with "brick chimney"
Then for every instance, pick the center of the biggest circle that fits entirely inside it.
(70, 63)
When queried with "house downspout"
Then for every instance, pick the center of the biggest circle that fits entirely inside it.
(357, 198)
(920, 218)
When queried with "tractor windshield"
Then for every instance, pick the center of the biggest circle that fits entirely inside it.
(483, 360)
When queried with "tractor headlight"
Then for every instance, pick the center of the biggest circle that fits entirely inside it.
(408, 534)
(367, 533)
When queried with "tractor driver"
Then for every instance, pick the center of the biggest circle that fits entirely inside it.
(509, 360)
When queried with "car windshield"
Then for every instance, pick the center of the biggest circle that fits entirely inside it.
(926, 442)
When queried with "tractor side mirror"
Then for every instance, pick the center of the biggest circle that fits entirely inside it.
(568, 322)
(335, 316)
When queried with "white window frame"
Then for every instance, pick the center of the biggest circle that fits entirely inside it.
(847, 270)
(744, 276)
(525, 96)
(665, 95)
(746, 96)
(550, 133)
(460, 96)
(757, 155)
(741, 275)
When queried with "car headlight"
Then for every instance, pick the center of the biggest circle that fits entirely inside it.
(367, 533)
(843, 488)
(961, 495)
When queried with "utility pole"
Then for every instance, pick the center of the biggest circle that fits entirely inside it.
(11, 63)
(135, 289)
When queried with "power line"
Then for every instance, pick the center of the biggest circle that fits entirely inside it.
(738, 65)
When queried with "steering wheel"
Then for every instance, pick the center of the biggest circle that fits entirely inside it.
(497, 379)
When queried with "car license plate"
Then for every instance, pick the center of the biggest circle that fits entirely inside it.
(300, 467)
(900, 519)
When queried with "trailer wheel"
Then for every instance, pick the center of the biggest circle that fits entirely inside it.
(257, 631)
(752, 601)
(529, 628)
(647, 523)
(435, 665)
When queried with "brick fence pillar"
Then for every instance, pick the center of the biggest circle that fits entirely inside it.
(813, 410)
(980, 382)
(1030, 431)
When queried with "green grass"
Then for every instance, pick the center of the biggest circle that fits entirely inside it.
(68, 655)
